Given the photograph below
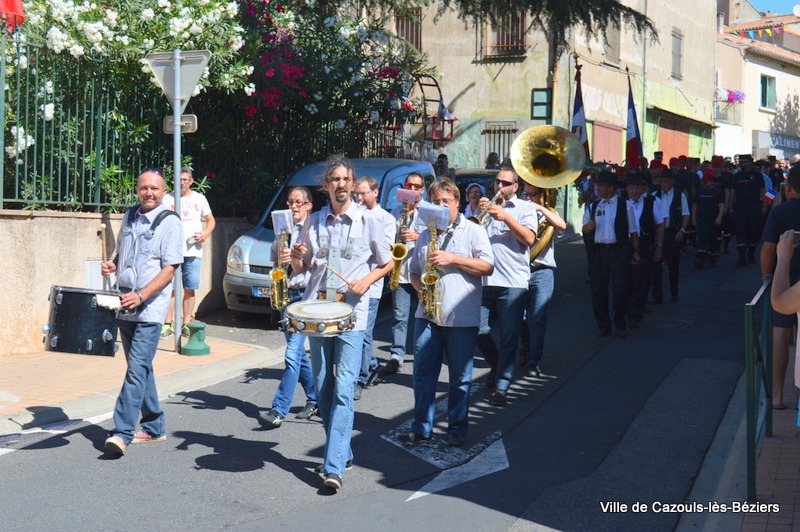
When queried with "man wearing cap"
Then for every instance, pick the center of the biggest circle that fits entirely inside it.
(707, 217)
(677, 219)
(747, 189)
(474, 194)
(611, 223)
(650, 220)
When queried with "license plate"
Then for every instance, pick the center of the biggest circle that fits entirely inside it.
(259, 291)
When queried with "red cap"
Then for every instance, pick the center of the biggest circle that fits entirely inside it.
(682, 157)
(656, 163)
(708, 175)
(673, 161)
(643, 161)
(717, 161)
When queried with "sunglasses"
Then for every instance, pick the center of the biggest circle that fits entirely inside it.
(152, 169)
(414, 186)
(296, 202)
(503, 183)
(532, 194)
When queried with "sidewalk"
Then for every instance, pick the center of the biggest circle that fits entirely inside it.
(43, 388)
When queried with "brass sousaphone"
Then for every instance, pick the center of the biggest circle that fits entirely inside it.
(547, 157)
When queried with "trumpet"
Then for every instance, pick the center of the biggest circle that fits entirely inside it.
(279, 291)
(431, 289)
(399, 250)
(482, 217)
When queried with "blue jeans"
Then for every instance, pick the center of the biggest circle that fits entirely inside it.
(138, 394)
(432, 344)
(335, 362)
(501, 313)
(368, 360)
(298, 369)
(540, 291)
(404, 302)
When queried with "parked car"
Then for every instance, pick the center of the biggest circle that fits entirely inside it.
(464, 177)
(247, 282)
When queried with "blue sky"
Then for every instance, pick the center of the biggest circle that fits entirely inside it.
(782, 7)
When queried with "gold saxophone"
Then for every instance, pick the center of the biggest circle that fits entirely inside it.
(431, 290)
(279, 291)
(399, 250)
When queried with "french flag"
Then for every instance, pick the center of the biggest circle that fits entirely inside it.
(769, 195)
(633, 141)
(578, 116)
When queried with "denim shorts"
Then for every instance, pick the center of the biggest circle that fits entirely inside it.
(191, 273)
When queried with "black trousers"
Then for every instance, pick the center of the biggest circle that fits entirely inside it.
(671, 257)
(639, 282)
(747, 219)
(610, 264)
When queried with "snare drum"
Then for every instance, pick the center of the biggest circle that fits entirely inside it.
(82, 321)
(319, 318)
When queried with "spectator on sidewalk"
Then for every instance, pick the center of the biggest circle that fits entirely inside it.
(195, 212)
(148, 251)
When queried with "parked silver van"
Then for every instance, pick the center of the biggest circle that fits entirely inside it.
(247, 281)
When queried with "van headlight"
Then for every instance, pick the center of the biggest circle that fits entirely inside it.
(235, 258)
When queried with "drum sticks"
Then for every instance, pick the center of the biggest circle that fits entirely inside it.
(337, 274)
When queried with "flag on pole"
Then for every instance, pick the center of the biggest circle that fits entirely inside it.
(12, 13)
(578, 116)
(633, 141)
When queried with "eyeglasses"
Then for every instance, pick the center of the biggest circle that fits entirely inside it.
(153, 170)
(532, 194)
(296, 202)
(414, 186)
(503, 183)
(444, 202)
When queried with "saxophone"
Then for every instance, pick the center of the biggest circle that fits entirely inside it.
(279, 291)
(399, 250)
(431, 290)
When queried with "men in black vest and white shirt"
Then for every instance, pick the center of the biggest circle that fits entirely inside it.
(612, 223)
(676, 208)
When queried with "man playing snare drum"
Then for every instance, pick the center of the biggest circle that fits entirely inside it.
(145, 262)
(344, 238)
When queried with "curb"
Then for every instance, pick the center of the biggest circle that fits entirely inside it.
(103, 403)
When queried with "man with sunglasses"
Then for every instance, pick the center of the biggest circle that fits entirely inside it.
(512, 230)
(404, 298)
(145, 264)
(195, 212)
(540, 284)
(367, 194)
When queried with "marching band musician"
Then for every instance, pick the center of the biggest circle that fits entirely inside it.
(367, 194)
(344, 237)
(149, 248)
(463, 255)
(298, 368)
(512, 230)
(612, 224)
(541, 283)
(404, 298)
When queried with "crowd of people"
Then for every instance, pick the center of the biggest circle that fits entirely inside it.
(495, 264)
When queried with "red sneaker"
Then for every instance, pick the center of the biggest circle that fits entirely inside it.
(143, 437)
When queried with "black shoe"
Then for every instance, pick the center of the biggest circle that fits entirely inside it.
(675, 298)
(333, 481)
(311, 409)
(621, 333)
(391, 367)
(498, 398)
(319, 471)
(271, 419)
(533, 370)
(655, 301)
(698, 265)
(633, 324)
(357, 391)
(411, 439)
(455, 440)
(604, 332)
(741, 261)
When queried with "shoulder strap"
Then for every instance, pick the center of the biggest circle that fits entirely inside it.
(132, 214)
(161, 217)
(593, 209)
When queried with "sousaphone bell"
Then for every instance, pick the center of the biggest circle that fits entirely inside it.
(547, 157)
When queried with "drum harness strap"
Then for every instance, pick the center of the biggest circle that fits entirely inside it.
(130, 259)
(335, 255)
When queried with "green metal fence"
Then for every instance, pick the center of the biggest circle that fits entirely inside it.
(758, 372)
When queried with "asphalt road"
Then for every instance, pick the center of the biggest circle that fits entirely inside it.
(611, 421)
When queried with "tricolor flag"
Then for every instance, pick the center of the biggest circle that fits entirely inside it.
(578, 116)
(769, 195)
(633, 141)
